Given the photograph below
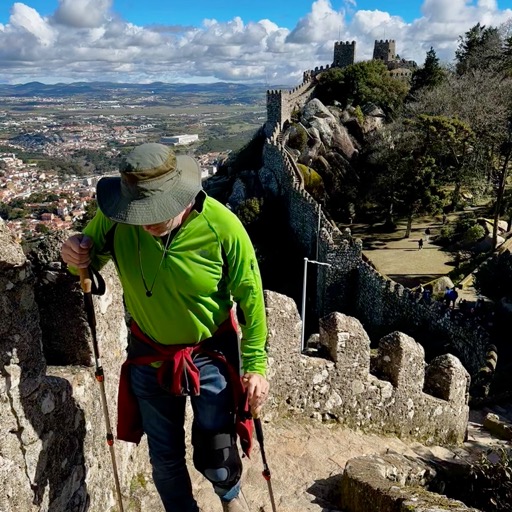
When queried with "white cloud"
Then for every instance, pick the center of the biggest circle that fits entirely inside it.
(82, 13)
(83, 40)
(320, 24)
(27, 20)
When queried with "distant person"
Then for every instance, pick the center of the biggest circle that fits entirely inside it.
(427, 235)
(428, 291)
(444, 218)
(454, 295)
(426, 295)
(420, 244)
(182, 258)
(447, 296)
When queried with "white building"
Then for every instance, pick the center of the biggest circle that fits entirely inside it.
(175, 140)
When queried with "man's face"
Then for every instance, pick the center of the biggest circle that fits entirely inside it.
(162, 228)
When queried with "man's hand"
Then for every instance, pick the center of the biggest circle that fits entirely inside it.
(75, 251)
(257, 391)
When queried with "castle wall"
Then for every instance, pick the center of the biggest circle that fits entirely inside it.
(282, 103)
(335, 283)
(397, 393)
(351, 285)
(382, 303)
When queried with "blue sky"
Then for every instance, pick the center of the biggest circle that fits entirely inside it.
(285, 13)
(221, 40)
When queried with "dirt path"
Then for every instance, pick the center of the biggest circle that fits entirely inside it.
(400, 258)
(402, 261)
(306, 459)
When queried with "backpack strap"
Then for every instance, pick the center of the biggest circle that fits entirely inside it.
(109, 242)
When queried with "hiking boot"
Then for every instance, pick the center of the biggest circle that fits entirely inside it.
(237, 505)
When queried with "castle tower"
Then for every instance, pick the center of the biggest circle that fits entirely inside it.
(385, 50)
(344, 54)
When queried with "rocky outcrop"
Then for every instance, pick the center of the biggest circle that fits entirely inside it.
(392, 483)
(53, 454)
(332, 133)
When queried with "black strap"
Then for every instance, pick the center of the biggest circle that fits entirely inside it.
(98, 283)
(109, 242)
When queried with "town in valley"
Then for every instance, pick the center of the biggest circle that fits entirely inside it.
(57, 141)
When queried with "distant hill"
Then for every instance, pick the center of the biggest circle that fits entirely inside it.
(221, 91)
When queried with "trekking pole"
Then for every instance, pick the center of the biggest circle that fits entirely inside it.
(266, 470)
(86, 284)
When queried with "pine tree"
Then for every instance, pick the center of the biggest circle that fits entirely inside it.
(430, 75)
(479, 48)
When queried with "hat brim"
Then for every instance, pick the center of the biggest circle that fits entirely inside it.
(158, 207)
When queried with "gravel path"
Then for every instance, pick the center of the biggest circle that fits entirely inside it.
(306, 459)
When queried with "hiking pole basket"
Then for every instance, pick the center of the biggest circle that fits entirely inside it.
(86, 284)
(266, 471)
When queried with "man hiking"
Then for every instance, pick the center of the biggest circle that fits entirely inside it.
(182, 259)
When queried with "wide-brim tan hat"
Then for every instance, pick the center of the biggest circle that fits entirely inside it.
(155, 185)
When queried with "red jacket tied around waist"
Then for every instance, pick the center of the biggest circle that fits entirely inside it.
(179, 375)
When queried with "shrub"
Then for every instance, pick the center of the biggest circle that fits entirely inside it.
(490, 486)
(358, 113)
(298, 138)
(494, 278)
(250, 210)
(474, 234)
(313, 182)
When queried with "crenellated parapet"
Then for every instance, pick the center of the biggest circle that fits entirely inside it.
(385, 50)
(382, 302)
(394, 391)
(282, 103)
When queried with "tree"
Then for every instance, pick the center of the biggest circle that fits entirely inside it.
(482, 99)
(429, 76)
(407, 181)
(42, 228)
(479, 48)
(362, 83)
(494, 278)
(249, 211)
(449, 142)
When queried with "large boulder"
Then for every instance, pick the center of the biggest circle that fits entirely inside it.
(315, 109)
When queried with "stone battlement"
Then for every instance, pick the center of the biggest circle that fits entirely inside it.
(394, 392)
(281, 104)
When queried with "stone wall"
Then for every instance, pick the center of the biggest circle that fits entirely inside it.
(335, 284)
(403, 395)
(281, 103)
(392, 483)
(382, 303)
(53, 453)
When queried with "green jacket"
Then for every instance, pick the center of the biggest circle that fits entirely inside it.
(209, 263)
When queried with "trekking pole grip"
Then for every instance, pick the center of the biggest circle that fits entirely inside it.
(85, 280)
